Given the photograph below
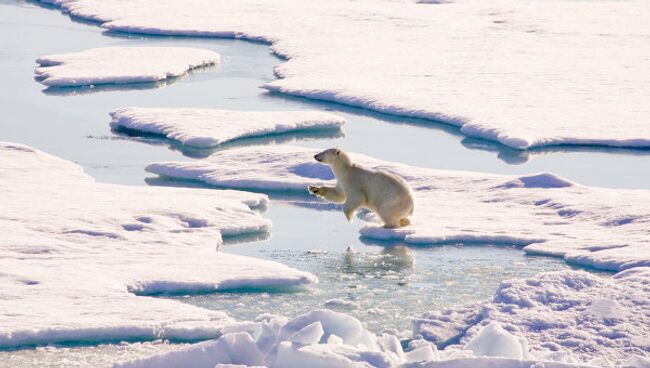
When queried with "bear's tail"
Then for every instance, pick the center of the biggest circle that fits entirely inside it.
(404, 222)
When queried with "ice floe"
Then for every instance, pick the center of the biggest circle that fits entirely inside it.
(204, 128)
(77, 258)
(523, 74)
(323, 338)
(119, 65)
(602, 228)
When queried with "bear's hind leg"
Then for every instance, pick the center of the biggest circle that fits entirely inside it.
(390, 222)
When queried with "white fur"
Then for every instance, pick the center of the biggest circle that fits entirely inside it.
(387, 195)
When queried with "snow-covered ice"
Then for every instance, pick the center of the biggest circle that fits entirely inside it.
(523, 73)
(602, 228)
(560, 315)
(323, 338)
(204, 128)
(120, 65)
(77, 258)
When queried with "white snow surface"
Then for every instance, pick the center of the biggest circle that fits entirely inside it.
(524, 73)
(559, 315)
(603, 228)
(74, 253)
(204, 128)
(118, 65)
(272, 341)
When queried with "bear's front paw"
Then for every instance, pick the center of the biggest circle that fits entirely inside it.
(314, 190)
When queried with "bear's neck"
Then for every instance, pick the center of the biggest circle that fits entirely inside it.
(341, 169)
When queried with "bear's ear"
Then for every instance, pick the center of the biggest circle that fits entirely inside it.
(338, 151)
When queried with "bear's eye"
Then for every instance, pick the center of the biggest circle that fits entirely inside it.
(338, 152)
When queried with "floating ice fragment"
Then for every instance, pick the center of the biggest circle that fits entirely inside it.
(204, 128)
(120, 65)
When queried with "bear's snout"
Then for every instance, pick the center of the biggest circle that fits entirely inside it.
(318, 157)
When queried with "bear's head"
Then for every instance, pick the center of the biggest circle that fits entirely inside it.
(333, 157)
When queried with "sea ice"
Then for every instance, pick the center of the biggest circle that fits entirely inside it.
(560, 315)
(602, 228)
(203, 128)
(77, 258)
(524, 74)
(120, 65)
(308, 347)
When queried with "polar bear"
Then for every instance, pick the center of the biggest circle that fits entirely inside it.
(387, 195)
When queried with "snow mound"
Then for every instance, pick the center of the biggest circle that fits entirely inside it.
(544, 180)
(572, 316)
(77, 253)
(120, 65)
(203, 128)
(505, 83)
(601, 228)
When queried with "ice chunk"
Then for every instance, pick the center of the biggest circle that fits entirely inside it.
(519, 95)
(204, 128)
(120, 65)
(493, 340)
(310, 334)
(390, 344)
(423, 353)
(66, 253)
(344, 326)
(334, 340)
(601, 228)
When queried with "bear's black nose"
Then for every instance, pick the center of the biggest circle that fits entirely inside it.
(316, 158)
